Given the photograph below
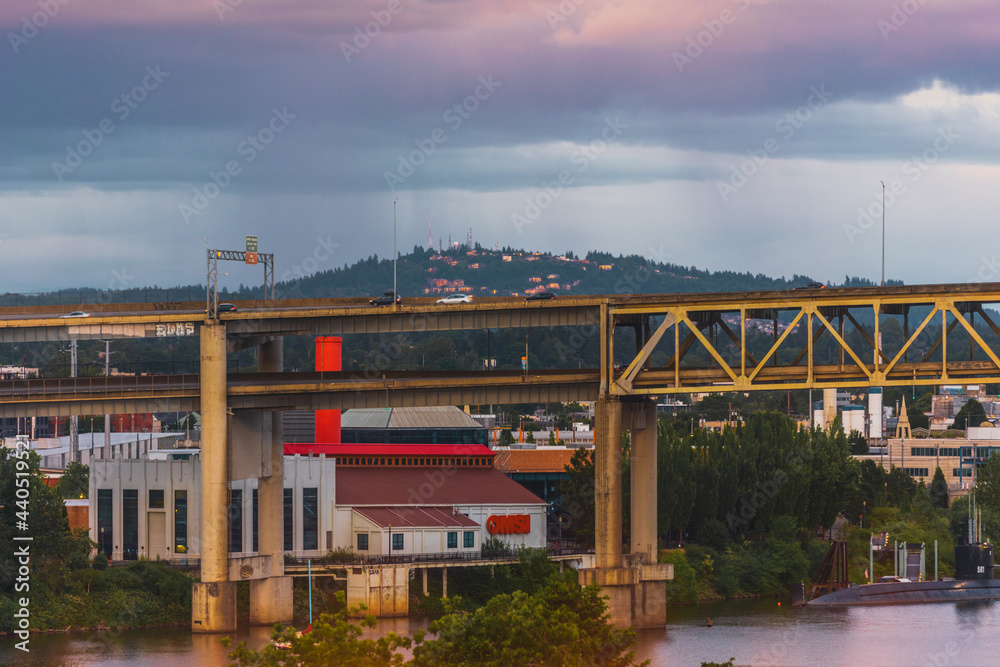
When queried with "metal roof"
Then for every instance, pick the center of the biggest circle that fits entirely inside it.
(446, 416)
(416, 517)
(534, 460)
(381, 487)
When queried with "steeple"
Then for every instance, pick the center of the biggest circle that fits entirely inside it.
(903, 423)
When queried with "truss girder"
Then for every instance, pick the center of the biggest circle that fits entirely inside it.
(801, 323)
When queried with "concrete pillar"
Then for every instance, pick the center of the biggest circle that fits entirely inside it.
(643, 477)
(444, 582)
(213, 606)
(271, 598)
(608, 482)
(424, 573)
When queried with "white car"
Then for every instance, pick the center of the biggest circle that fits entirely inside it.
(456, 298)
(76, 313)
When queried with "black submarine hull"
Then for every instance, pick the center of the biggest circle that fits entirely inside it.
(912, 592)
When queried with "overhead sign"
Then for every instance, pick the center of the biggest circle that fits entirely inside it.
(252, 244)
(251, 258)
(508, 525)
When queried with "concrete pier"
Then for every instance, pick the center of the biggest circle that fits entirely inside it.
(213, 606)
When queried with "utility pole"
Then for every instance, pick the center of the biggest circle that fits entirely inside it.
(74, 427)
(883, 232)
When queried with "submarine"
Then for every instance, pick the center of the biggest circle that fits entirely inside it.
(973, 581)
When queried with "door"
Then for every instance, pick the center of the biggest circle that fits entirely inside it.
(156, 537)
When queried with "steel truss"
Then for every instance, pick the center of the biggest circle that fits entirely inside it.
(721, 329)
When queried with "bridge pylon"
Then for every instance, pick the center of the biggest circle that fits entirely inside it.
(634, 583)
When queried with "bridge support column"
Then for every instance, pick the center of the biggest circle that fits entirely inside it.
(643, 477)
(271, 598)
(608, 482)
(213, 605)
(634, 584)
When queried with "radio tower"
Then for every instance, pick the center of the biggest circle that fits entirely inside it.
(470, 238)
(430, 235)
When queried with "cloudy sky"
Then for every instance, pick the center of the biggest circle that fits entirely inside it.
(725, 134)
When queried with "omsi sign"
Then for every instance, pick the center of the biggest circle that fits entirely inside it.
(509, 525)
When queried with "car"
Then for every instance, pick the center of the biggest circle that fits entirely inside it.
(76, 313)
(386, 299)
(812, 285)
(541, 296)
(226, 307)
(456, 298)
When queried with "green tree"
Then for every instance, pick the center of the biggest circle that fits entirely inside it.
(971, 414)
(564, 624)
(529, 437)
(75, 482)
(939, 490)
(506, 439)
(334, 640)
(578, 495)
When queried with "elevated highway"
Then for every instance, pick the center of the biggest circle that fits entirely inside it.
(685, 329)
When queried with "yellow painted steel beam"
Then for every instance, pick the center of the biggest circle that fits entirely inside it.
(625, 381)
(843, 344)
(976, 337)
(708, 346)
(776, 345)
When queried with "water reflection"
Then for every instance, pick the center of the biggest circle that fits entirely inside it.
(754, 632)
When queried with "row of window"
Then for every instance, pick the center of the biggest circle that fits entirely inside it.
(130, 520)
(952, 451)
(916, 472)
(410, 461)
(468, 540)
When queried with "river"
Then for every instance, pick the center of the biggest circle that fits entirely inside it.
(755, 632)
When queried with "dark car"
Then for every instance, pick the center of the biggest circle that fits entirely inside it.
(386, 299)
(541, 296)
(812, 285)
(227, 307)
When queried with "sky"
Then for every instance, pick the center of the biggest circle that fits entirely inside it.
(739, 135)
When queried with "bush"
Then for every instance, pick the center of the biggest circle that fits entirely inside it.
(100, 561)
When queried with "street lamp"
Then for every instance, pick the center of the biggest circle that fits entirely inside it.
(883, 232)
(395, 295)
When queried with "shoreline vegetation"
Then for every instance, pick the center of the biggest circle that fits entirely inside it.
(751, 504)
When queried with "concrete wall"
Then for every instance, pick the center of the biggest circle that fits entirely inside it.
(142, 475)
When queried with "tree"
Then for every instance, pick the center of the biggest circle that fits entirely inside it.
(529, 437)
(971, 414)
(563, 624)
(939, 490)
(334, 640)
(75, 482)
(506, 439)
(578, 495)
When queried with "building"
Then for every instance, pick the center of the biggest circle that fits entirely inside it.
(444, 425)
(541, 471)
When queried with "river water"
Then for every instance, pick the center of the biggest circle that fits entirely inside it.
(755, 632)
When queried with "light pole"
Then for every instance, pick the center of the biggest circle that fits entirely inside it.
(883, 232)
(395, 295)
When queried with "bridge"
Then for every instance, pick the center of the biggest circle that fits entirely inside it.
(706, 344)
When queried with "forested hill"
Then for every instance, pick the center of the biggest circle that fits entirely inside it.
(506, 272)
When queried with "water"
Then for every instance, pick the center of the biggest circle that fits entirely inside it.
(756, 632)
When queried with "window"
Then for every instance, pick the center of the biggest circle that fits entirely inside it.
(916, 472)
(235, 521)
(156, 499)
(469, 540)
(130, 524)
(180, 522)
(105, 521)
(310, 503)
(961, 472)
(255, 542)
(453, 540)
(397, 542)
(288, 520)
(397, 462)
(362, 541)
